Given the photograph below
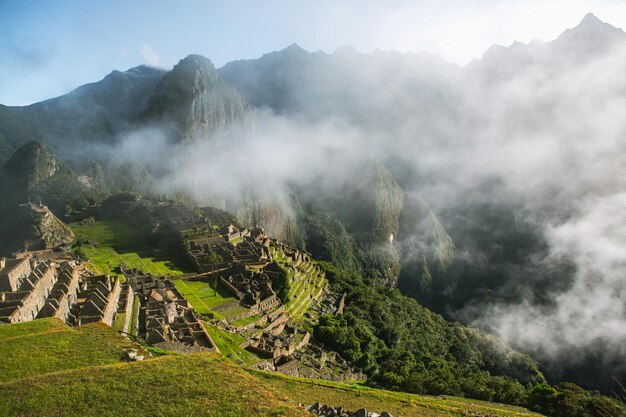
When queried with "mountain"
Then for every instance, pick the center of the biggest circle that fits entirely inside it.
(589, 40)
(14, 132)
(347, 84)
(194, 101)
(23, 224)
(93, 113)
(30, 165)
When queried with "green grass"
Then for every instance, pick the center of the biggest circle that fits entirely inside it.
(245, 321)
(31, 327)
(176, 385)
(228, 344)
(120, 243)
(234, 311)
(309, 284)
(133, 319)
(49, 369)
(59, 348)
(118, 323)
(354, 396)
(201, 296)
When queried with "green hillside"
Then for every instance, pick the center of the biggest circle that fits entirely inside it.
(355, 396)
(50, 369)
(50, 346)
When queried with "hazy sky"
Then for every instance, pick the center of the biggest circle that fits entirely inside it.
(50, 47)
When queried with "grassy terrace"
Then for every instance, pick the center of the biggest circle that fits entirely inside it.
(48, 345)
(204, 299)
(354, 396)
(308, 286)
(118, 323)
(31, 328)
(202, 296)
(245, 321)
(228, 344)
(118, 243)
(133, 320)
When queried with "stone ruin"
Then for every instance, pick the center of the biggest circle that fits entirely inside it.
(252, 250)
(330, 411)
(37, 287)
(166, 319)
(25, 286)
(98, 300)
(273, 346)
(253, 289)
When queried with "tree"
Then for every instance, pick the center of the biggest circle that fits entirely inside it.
(214, 260)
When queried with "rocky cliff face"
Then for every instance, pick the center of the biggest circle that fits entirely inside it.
(32, 226)
(193, 101)
(26, 168)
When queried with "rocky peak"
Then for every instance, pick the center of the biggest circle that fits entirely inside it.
(31, 164)
(590, 34)
(194, 101)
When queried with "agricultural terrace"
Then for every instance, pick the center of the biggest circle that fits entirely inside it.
(307, 282)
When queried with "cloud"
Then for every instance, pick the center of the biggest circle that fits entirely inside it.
(149, 56)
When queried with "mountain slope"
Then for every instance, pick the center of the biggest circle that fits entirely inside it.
(14, 132)
(92, 113)
(347, 84)
(194, 101)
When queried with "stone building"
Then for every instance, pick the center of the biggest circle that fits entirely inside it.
(272, 346)
(13, 272)
(64, 293)
(98, 300)
(25, 303)
(252, 250)
(166, 318)
(253, 289)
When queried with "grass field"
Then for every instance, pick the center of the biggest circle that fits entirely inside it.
(245, 321)
(48, 345)
(118, 243)
(194, 385)
(31, 327)
(354, 396)
(118, 323)
(201, 296)
(133, 320)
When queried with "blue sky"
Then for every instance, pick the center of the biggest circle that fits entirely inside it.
(48, 47)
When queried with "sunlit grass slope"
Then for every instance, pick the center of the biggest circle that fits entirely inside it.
(48, 345)
(194, 385)
(355, 396)
(50, 369)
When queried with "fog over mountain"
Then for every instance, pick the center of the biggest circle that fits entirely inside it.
(527, 142)
(496, 189)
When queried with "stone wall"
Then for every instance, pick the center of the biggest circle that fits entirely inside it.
(13, 272)
(63, 293)
(37, 287)
(130, 299)
(111, 307)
